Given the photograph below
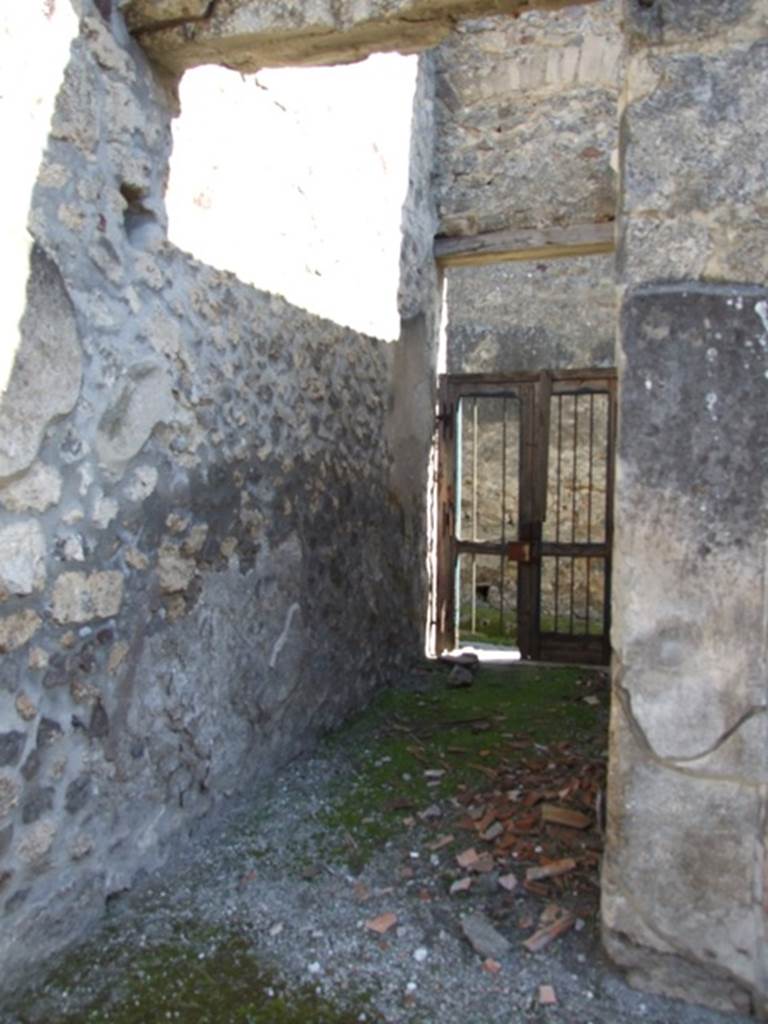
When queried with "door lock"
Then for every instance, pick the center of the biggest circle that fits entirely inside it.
(519, 551)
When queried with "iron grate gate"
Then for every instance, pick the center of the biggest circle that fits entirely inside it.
(525, 490)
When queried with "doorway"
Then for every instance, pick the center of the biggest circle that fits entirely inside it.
(525, 513)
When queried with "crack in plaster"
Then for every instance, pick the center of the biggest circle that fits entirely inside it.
(677, 764)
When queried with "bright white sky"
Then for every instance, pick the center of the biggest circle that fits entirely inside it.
(294, 179)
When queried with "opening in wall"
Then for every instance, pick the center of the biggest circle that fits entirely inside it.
(294, 179)
(525, 514)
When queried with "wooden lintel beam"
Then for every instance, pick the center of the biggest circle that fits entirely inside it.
(531, 244)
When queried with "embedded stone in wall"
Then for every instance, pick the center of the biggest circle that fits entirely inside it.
(9, 795)
(36, 843)
(36, 491)
(175, 571)
(45, 380)
(670, 21)
(22, 558)
(11, 746)
(148, 12)
(78, 597)
(26, 708)
(17, 629)
(125, 427)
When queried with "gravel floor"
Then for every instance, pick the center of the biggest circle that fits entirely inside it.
(277, 876)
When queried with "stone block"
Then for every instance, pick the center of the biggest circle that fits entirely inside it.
(11, 746)
(673, 21)
(22, 558)
(689, 895)
(35, 844)
(174, 570)
(16, 630)
(78, 793)
(25, 707)
(31, 766)
(688, 598)
(697, 353)
(36, 803)
(37, 490)
(6, 837)
(79, 597)
(48, 732)
(694, 145)
(9, 795)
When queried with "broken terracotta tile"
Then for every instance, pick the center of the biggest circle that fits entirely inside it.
(440, 843)
(485, 821)
(399, 804)
(564, 816)
(536, 888)
(551, 870)
(361, 891)
(467, 858)
(547, 996)
(382, 923)
(491, 966)
(466, 823)
(543, 936)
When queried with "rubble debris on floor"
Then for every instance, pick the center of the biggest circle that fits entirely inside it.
(437, 860)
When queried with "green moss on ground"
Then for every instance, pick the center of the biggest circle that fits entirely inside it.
(457, 731)
(204, 977)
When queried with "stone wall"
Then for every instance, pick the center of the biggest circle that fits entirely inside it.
(528, 120)
(684, 898)
(203, 561)
(520, 316)
(527, 123)
(251, 34)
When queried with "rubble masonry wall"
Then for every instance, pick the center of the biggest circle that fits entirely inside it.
(203, 560)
